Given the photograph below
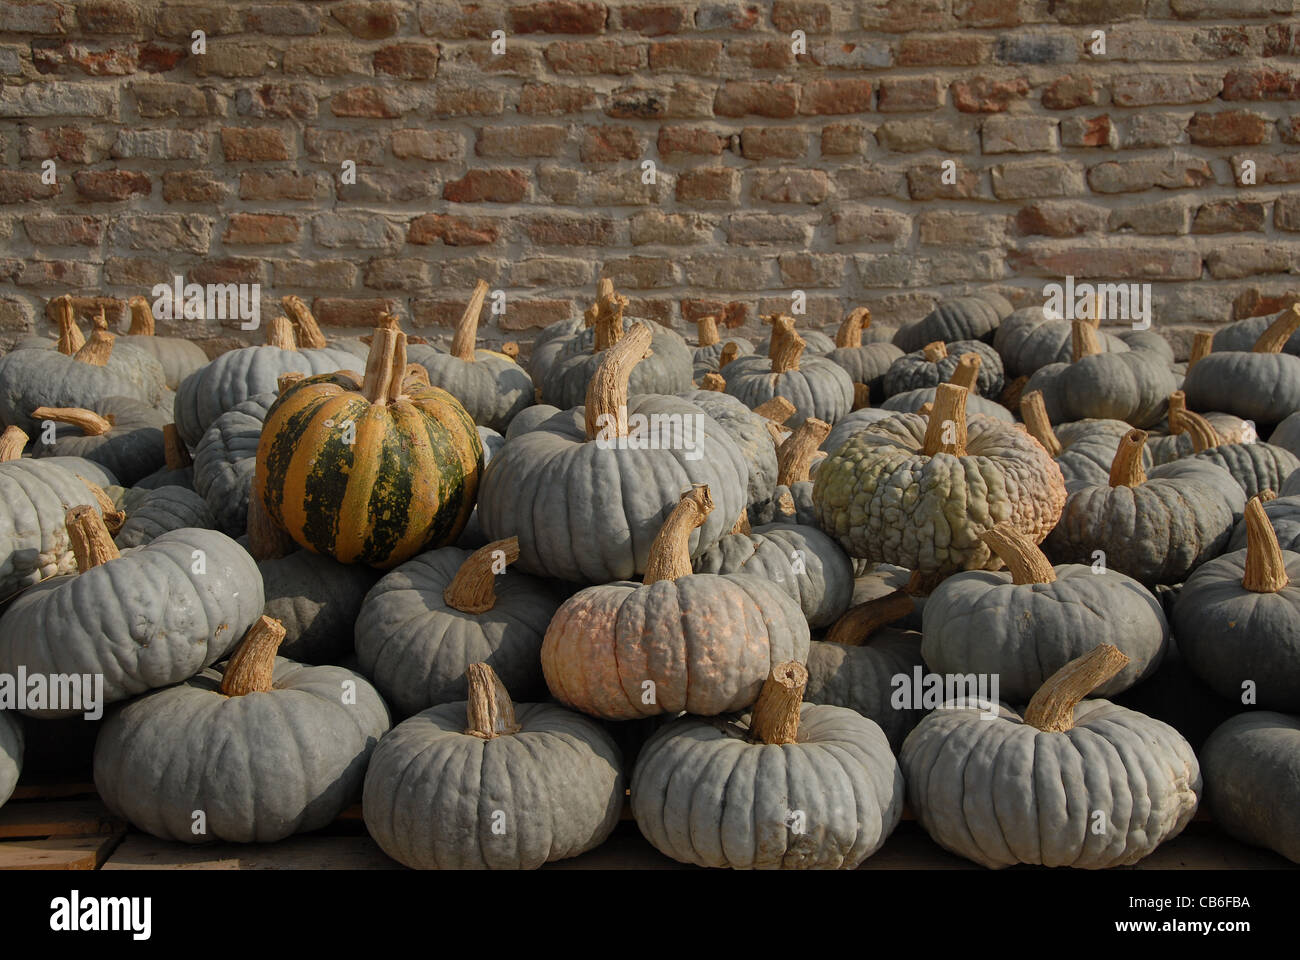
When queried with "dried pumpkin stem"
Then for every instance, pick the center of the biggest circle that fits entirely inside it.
(510, 349)
(385, 366)
(795, 454)
(775, 718)
(1266, 496)
(71, 339)
(87, 421)
(1052, 707)
(778, 410)
(670, 554)
(175, 454)
(306, 330)
(286, 380)
(92, 544)
(465, 340)
(849, 335)
(1265, 565)
(251, 668)
(489, 711)
(1177, 407)
(1126, 469)
(113, 517)
(730, 351)
(142, 324)
(1021, 555)
(473, 589)
(12, 443)
(415, 376)
(1204, 436)
(1083, 340)
(859, 622)
(934, 351)
(775, 431)
(608, 316)
(742, 524)
(967, 373)
(706, 330)
(861, 396)
(97, 350)
(1033, 410)
(606, 401)
(1202, 347)
(786, 346)
(279, 333)
(713, 382)
(923, 583)
(946, 431)
(1279, 331)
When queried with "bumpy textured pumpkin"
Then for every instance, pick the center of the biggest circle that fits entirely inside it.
(268, 749)
(1025, 624)
(423, 625)
(1027, 341)
(1256, 466)
(936, 363)
(122, 433)
(401, 480)
(547, 784)
(316, 600)
(1156, 529)
(1261, 384)
(1251, 766)
(224, 461)
(961, 318)
(750, 431)
(865, 363)
(146, 618)
(789, 786)
(1238, 620)
(1070, 784)
(152, 512)
(1083, 450)
(1183, 432)
(816, 343)
(679, 641)
(11, 754)
(816, 386)
(177, 356)
(586, 499)
(35, 497)
(918, 491)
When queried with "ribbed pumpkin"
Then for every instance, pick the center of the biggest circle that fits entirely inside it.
(865, 363)
(962, 318)
(936, 362)
(1255, 466)
(1083, 449)
(750, 431)
(709, 346)
(1283, 513)
(316, 599)
(816, 343)
(1242, 335)
(151, 512)
(405, 483)
(1251, 766)
(816, 386)
(1027, 341)
(225, 459)
(1262, 384)
(177, 356)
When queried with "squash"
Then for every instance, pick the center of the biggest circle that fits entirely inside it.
(1255, 466)
(411, 458)
(936, 362)
(1262, 384)
(555, 340)
(1027, 340)
(425, 622)
(317, 600)
(1251, 766)
(796, 457)
(146, 618)
(307, 333)
(709, 346)
(546, 784)
(11, 753)
(1083, 450)
(750, 432)
(1183, 432)
(1241, 336)
(530, 418)
(788, 786)
(865, 363)
(960, 318)
(1284, 515)
(1025, 624)
(1287, 434)
(678, 641)
(178, 466)
(816, 343)
(816, 386)
(262, 751)
(918, 491)
(1156, 528)
(225, 458)
(914, 401)
(149, 513)
(853, 423)
(1238, 620)
(122, 433)
(583, 496)
(177, 356)
(1070, 783)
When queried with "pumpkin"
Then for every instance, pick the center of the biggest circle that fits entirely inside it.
(851, 424)
(1283, 513)
(1177, 696)
(709, 346)
(856, 664)
(750, 432)
(177, 356)
(918, 491)
(817, 344)
(1070, 783)
(149, 513)
(486, 784)
(796, 456)
(1262, 384)
(1287, 434)
(178, 466)
(1242, 335)
(1156, 529)
(678, 641)
(225, 458)
(1291, 486)
(235, 376)
(264, 750)
(816, 386)
(1083, 450)
(865, 363)
(530, 418)
(423, 625)
(1251, 766)
(1256, 466)
(122, 433)
(1025, 624)
(400, 480)
(146, 618)
(1027, 340)
(936, 363)
(307, 333)
(1238, 620)
(556, 339)
(316, 599)
(1132, 386)
(583, 495)
(961, 318)
(1183, 432)
(789, 786)
(11, 754)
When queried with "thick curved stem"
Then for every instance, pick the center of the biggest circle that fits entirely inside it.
(489, 712)
(946, 431)
(670, 554)
(796, 453)
(778, 410)
(967, 373)
(861, 396)
(729, 352)
(775, 717)
(608, 317)
(934, 351)
(855, 627)
(12, 443)
(175, 454)
(713, 382)
(97, 350)
(113, 518)
(849, 335)
(92, 544)
(1083, 340)
(473, 589)
(306, 330)
(1265, 565)
(1204, 436)
(142, 324)
(385, 366)
(465, 340)
(287, 379)
(1202, 347)
(1279, 331)
(706, 330)
(88, 422)
(279, 333)
(251, 669)
(1052, 708)
(71, 339)
(1026, 562)
(786, 345)
(1177, 407)
(1033, 410)
(606, 401)
(1126, 469)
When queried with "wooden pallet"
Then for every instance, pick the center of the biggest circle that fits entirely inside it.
(60, 826)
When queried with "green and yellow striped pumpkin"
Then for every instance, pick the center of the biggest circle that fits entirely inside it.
(406, 483)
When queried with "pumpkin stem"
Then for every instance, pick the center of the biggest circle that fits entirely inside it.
(489, 711)
(1094, 318)
(142, 324)
(775, 717)
(415, 376)
(113, 517)
(706, 330)
(1083, 340)
(1279, 331)
(1021, 555)
(71, 339)
(1052, 707)
(606, 400)
(88, 421)
(12, 443)
(922, 584)
(786, 345)
(713, 382)
(251, 667)
(279, 333)
(776, 433)
(730, 350)
(670, 554)
(1177, 407)
(1265, 565)
(861, 396)
(287, 379)
(466, 337)
(946, 431)
(934, 351)
(1204, 436)
(968, 372)
(795, 454)
(859, 622)
(1126, 469)
(175, 454)
(306, 330)
(1011, 393)
(1202, 347)
(91, 542)
(473, 589)
(98, 349)
(608, 316)
(1033, 410)
(742, 524)
(785, 503)
(849, 334)
(385, 366)
(1267, 495)
(778, 410)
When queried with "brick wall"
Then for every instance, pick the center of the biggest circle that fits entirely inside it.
(773, 170)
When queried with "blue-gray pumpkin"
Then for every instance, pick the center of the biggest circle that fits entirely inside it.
(122, 433)
(317, 600)
(962, 318)
(1260, 384)
(1083, 449)
(865, 363)
(814, 385)
(11, 753)
(937, 362)
(152, 512)
(224, 460)
(1027, 341)
(1251, 766)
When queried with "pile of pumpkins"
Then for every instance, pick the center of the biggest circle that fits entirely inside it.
(492, 600)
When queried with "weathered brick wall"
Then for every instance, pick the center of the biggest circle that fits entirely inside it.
(774, 171)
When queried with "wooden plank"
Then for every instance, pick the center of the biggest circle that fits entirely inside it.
(141, 852)
(58, 853)
(63, 818)
(52, 790)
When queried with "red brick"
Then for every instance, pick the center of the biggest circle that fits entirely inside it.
(1261, 83)
(849, 95)
(570, 231)
(335, 146)
(690, 140)
(761, 54)
(655, 20)
(109, 185)
(51, 57)
(254, 144)
(1149, 89)
(1229, 128)
(487, 186)
(640, 273)
(1088, 131)
(987, 13)
(325, 58)
(108, 17)
(260, 228)
(468, 102)
(228, 270)
(396, 273)
(1059, 218)
(1229, 216)
(791, 186)
(609, 144)
(869, 224)
(69, 144)
(739, 98)
(370, 102)
(586, 57)
(316, 274)
(1142, 262)
(423, 144)
(346, 312)
(57, 273)
(368, 21)
(986, 95)
(1131, 176)
(534, 314)
(764, 143)
(810, 16)
(553, 99)
(532, 141)
(843, 140)
(730, 313)
(904, 16)
(452, 231)
(926, 183)
(684, 100)
(280, 185)
(698, 57)
(558, 16)
(409, 61)
(1067, 93)
(671, 229)
(708, 186)
(277, 101)
(909, 94)
(64, 231)
(948, 50)
(193, 186)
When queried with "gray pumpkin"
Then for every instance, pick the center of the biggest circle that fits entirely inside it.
(122, 433)
(817, 344)
(152, 512)
(317, 600)
(823, 798)
(151, 617)
(425, 622)
(1084, 449)
(1260, 384)
(913, 400)
(547, 784)
(1256, 466)
(1287, 434)
(1027, 341)
(554, 340)
(918, 370)
(750, 432)
(707, 353)
(35, 497)
(1073, 784)
(961, 318)
(1284, 514)
(11, 754)
(1251, 765)
(852, 424)
(1242, 335)
(1024, 625)
(530, 418)
(177, 356)
(814, 385)
(864, 352)
(1291, 485)
(283, 753)
(224, 460)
